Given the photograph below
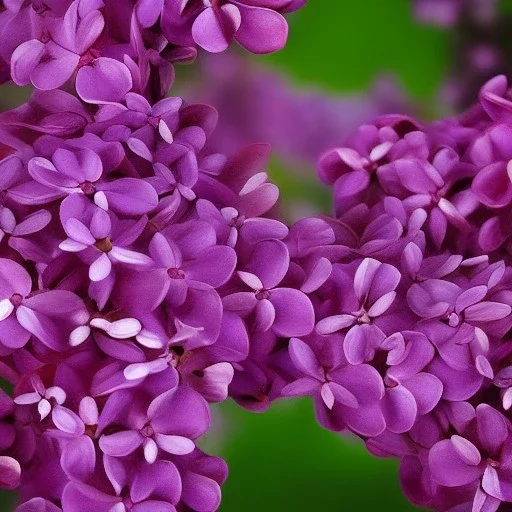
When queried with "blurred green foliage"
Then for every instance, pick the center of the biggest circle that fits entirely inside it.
(343, 45)
(283, 461)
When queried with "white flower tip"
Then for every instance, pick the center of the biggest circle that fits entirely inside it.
(100, 199)
(79, 335)
(88, 410)
(57, 393)
(6, 308)
(44, 408)
(100, 323)
(507, 399)
(149, 339)
(253, 183)
(124, 329)
(150, 451)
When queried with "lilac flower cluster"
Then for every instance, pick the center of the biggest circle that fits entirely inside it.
(134, 262)
(44, 42)
(411, 286)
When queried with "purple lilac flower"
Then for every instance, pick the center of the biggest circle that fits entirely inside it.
(410, 283)
(257, 26)
(117, 330)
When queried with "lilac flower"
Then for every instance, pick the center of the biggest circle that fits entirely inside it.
(183, 259)
(160, 428)
(113, 329)
(374, 288)
(259, 104)
(344, 395)
(81, 172)
(125, 489)
(273, 306)
(350, 169)
(23, 315)
(480, 461)
(156, 280)
(107, 241)
(51, 400)
(259, 28)
(49, 60)
(413, 318)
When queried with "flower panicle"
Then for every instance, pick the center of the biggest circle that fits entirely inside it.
(410, 282)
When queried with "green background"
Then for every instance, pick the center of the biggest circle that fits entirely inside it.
(282, 461)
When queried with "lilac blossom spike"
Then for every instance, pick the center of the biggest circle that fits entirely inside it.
(410, 281)
(259, 104)
(121, 237)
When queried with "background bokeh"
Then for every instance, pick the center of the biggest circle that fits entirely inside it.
(282, 461)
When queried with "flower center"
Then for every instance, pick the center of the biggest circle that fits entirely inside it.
(362, 317)
(147, 431)
(39, 6)
(16, 300)
(45, 36)
(371, 166)
(176, 273)
(237, 221)
(90, 431)
(262, 294)
(88, 188)
(88, 57)
(104, 245)
(128, 503)
(177, 355)
(493, 463)
(453, 319)
(154, 121)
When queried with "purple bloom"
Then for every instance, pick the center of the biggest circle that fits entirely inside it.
(161, 428)
(287, 311)
(91, 229)
(49, 60)
(480, 460)
(156, 281)
(410, 283)
(260, 28)
(113, 327)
